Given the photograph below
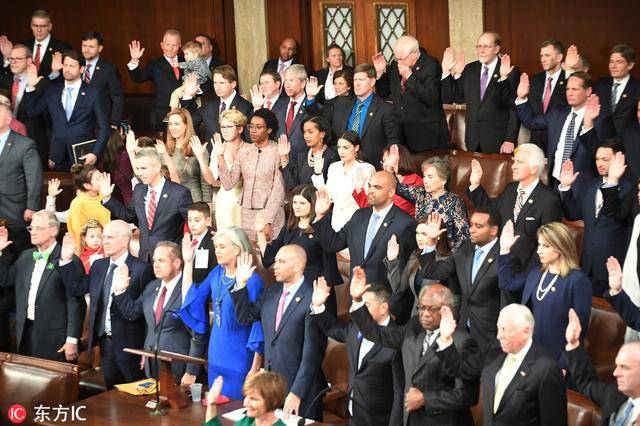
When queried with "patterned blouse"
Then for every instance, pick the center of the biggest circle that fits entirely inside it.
(450, 207)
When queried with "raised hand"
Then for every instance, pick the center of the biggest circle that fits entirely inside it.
(135, 51)
(476, 174)
(257, 98)
(187, 249)
(214, 391)
(379, 63)
(323, 202)
(321, 291)
(244, 268)
(260, 223)
(5, 46)
(53, 188)
(591, 110)
(131, 142)
(434, 228)
(448, 60)
(572, 333)
(507, 238)
(32, 76)
(393, 248)
(68, 247)
(313, 88)
(218, 146)
(161, 147)
(523, 86)
(567, 176)
(447, 325)
(121, 278)
(505, 66)
(284, 146)
(56, 62)
(4, 238)
(104, 182)
(572, 57)
(358, 285)
(196, 146)
(617, 167)
(460, 63)
(615, 275)
(359, 179)
(191, 85)
(393, 158)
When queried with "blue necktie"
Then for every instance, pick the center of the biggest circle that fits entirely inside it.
(624, 417)
(68, 103)
(371, 232)
(477, 261)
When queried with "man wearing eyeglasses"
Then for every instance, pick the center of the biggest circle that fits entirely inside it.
(412, 82)
(492, 124)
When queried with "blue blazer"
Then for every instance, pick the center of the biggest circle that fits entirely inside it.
(171, 213)
(89, 113)
(572, 291)
(296, 349)
(623, 305)
(126, 333)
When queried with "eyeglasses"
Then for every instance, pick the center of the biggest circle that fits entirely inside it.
(403, 59)
(36, 228)
(16, 59)
(256, 126)
(485, 46)
(227, 127)
(431, 309)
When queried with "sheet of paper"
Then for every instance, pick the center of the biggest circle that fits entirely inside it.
(202, 258)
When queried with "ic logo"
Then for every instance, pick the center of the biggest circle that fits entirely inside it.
(17, 413)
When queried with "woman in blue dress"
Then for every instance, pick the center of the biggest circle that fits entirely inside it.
(235, 350)
(552, 289)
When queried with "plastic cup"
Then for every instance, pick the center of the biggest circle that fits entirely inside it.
(196, 392)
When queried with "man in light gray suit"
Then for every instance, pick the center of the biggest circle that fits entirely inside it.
(160, 298)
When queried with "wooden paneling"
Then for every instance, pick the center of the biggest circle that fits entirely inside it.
(121, 21)
(592, 25)
(432, 28)
(290, 19)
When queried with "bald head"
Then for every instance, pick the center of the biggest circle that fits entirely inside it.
(288, 49)
(119, 228)
(289, 264)
(382, 188)
(115, 238)
(627, 372)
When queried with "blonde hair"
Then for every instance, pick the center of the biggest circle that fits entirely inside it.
(185, 116)
(558, 236)
(193, 46)
(235, 116)
(90, 224)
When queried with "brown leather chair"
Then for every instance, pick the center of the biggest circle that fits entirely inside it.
(577, 232)
(455, 116)
(581, 411)
(336, 370)
(604, 338)
(34, 381)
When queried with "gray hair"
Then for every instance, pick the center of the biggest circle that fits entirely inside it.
(52, 220)
(123, 229)
(149, 153)
(237, 236)
(174, 249)
(441, 291)
(518, 315)
(299, 70)
(408, 42)
(534, 155)
(27, 50)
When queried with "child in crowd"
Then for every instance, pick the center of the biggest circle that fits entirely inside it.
(195, 65)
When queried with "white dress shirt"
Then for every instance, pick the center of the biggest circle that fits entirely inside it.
(299, 101)
(147, 198)
(92, 68)
(36, 276)
(528, 189)
(635, 412)
(492, 68)
(74, 93)
(43, 47)
(227, 102)
(382, 213)
(554, 80)
(329, 90)
(557, 164)
(22, 85)
(119, 262)
(171, 285)
(623, 83)
(293, 289)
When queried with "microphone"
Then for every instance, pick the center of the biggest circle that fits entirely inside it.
(346, 394)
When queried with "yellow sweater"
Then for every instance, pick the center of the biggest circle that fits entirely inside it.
(83, 208)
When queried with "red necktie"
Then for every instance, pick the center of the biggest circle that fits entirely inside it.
(151, 211)
(176, 71)
(404, 86)
(36, 60)
(14, 90)
(160, 304)
(547, 95)
(269, 105)
(87, 74)
(194, 243)
(290, 115)
(223, 107)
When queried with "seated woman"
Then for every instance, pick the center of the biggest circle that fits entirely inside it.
(235, 350)
(551, 290)
(263, 393)
(88, 202)
(90, 248)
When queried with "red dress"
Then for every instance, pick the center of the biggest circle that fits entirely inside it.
(401, 203)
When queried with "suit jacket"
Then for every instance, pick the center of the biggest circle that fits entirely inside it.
(378, 385)
(542, 206)
(20, 178)
(280, 105)
(606, 396)
(296, 349)
(322, 74)
(54, 45)
(447, 399)
(89, 114)
(295, 134)
(420, 107)
(535, 396)
(106, 77)
(200, 273)
(168, 222)
(381, 126)
(537, 84)
(489, 121)
(160, 73)
(174, 335)
(298, 172)
(625, 108)
(272, 65)
(209, 114)
(125, 333)
(480, 299)
(57, 315)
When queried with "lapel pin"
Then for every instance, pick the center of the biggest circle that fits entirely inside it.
(82, 93)
(298, 299)
(97, 68)
(495, 76)
(490, 260)
(553, 289)
(523, 374)
(50, 49)
(561, 83)
(624, 95)
(164, 195)
(371, 114)
(310, 236)
(384, 224)
(530, 201)
(157, 288)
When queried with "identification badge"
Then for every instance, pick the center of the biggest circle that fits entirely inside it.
(201, 259)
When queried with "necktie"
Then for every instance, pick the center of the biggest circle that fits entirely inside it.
(151, 210)
(547, 95)
(281, 71)
(371, 233)
(160, 304)
(87, 73)
(355, 124)
(176, 72)
(105, 325)
(269, 105)
(36, 60)
(503, 380)
(68, 103)
(484, 79)
(599, 200)
(476, 264)
(425, 342)
(290, 114)
(223, 107)
(194, 243)
(614, 96)
(37, 256)
(403, 86)
(15, 87)
(623, 418)
(280, 311)
(519, 204)
(568, 138)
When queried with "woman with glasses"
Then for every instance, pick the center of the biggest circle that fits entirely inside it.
(226, 201)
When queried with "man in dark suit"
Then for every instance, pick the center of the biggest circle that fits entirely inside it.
(163, 72)
(376, 376)
(48, 322)
(204, 258)
(431, 396)
(475, 267)
(293, 344)
(267, 94)
(521, 383)
(109, 328)
(335, 60)
(582, 199)
(158, 206)
(206, 42)
(162, 297)
(225, 81)
(367, 233)
(288, 49)
(618, 400)
(370, 116)
(618, 298)
(491, 121)
(619, 94)
(76, 118)
(412, 82)
(527, 201)
(101, 73)
(548, 86)
(571, 133)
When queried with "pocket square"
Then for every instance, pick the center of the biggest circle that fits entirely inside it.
(529, 218)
